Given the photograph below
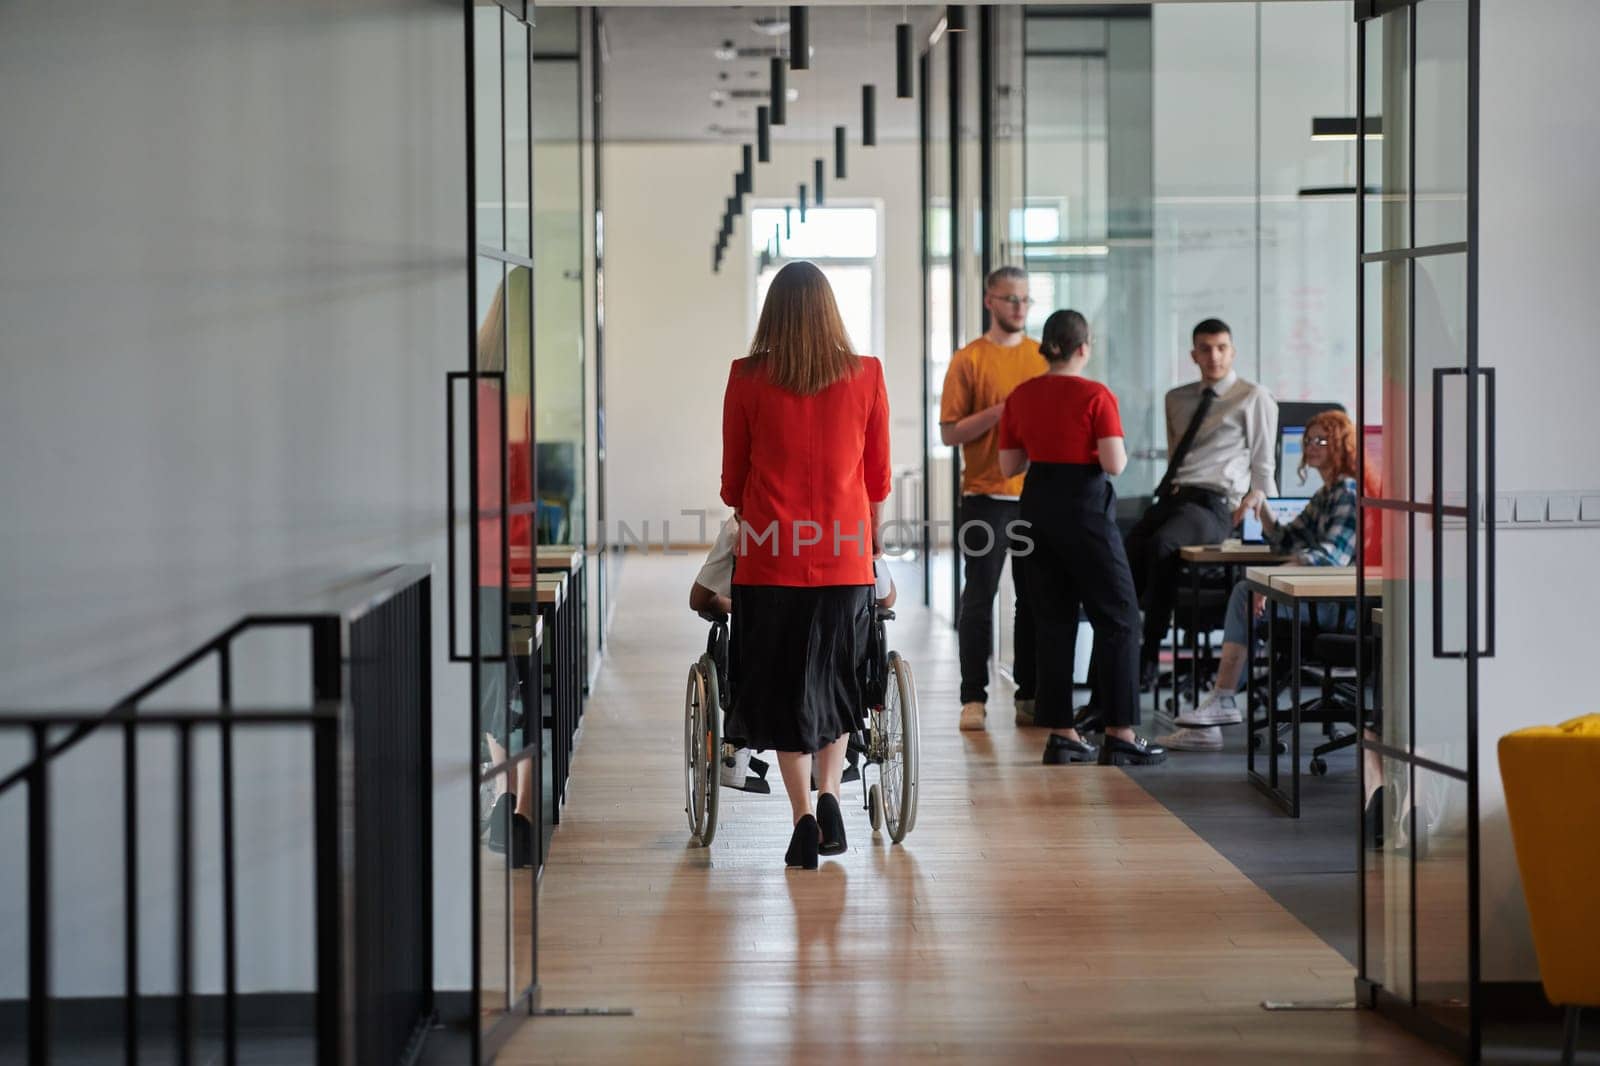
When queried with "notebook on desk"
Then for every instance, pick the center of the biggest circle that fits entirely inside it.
(1283, 508)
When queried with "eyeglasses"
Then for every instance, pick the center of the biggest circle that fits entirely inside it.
(1321, 442)
(1014, 301)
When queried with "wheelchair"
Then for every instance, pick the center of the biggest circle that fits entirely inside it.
(886, 734)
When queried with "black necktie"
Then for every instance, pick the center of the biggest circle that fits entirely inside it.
(1208, 396)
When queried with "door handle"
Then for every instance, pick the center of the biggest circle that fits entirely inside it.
(1487, 373)
(450, 380)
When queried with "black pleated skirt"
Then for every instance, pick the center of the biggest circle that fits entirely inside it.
(796, 659)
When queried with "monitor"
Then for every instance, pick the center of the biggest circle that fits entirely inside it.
(1292, 481)
(1283, 508)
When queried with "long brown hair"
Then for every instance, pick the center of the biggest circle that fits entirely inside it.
(800, 342)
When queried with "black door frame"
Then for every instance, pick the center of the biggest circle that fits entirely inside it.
(1369, 991)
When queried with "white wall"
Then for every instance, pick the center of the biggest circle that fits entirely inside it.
(232, 281)
(672, 326)
(1539, 257)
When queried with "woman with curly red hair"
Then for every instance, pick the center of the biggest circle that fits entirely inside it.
(1324, 534)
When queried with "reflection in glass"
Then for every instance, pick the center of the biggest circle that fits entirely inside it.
(518, 215)
(487, 109)
(492, 908)
(1441, 122)
(489, 453)
(1387, 872)
(1388, 160)
(558, 300)
(1438, 836)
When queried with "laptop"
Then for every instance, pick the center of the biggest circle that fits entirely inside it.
(1283, 508)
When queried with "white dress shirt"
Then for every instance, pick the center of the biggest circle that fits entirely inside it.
(1234, 451)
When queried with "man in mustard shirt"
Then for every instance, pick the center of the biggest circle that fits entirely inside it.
(980, 377)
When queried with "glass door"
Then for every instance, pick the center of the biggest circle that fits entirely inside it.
(1427, 408)
(491, 586)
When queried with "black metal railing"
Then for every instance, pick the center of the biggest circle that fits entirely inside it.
(369, 722)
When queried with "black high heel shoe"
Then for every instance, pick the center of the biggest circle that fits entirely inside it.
(802, 853)
(831, 823)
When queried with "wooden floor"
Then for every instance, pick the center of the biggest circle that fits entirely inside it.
(1036, 914)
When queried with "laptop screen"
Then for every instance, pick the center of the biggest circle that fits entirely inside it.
(1283, 508)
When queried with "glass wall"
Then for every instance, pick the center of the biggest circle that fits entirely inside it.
(942, 478)
(495, 393)
(1420, 376)
(558, 220)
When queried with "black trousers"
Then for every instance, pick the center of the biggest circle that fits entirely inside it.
(983, 547)
(1152, 547)
(1077, 559)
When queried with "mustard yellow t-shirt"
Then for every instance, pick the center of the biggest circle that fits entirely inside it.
(981, 375)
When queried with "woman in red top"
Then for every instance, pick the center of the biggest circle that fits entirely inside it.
(805, 466)
(1065, 431)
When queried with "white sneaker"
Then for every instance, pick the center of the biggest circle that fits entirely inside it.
(735, 766)
(1218, 708)
(1204, 739)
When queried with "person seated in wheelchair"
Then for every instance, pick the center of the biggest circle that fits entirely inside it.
(711, 597)
(1324, 534)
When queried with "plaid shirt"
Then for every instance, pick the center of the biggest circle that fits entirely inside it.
(1324, 534)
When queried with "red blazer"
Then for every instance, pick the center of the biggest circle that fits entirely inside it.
(801, 471)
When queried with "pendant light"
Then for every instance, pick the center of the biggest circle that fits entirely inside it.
(779, 92)
(788, 223)
(902, 61)
(799, 38)
(819, 182)
(869, 115)
(763, 134)
(802, 203)
(838, 152)
(747, 174)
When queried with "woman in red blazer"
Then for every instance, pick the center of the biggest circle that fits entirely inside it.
(805, 466)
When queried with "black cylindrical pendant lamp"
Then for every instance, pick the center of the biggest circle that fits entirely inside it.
(902, 61)
(799, 38)
(763, 134)
(955, 18)
(748, 174)
(869, 115)
(788, 223)
(838, 152)
(780, 93)
(819, 182)
(802, 203)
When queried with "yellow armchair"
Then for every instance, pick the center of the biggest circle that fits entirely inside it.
(1552, 783)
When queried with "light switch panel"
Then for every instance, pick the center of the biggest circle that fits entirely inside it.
(1504, 509)
(1530, 508)
(1591, 509)
(1563, 509)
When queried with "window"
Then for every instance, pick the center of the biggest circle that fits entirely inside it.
(844, 244)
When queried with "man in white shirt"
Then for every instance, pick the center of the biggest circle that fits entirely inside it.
(712, 593)
(1221, 439)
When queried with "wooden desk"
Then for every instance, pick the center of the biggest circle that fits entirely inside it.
(551, 599)
(1193, 557)
(1291, 587)
(557, 559)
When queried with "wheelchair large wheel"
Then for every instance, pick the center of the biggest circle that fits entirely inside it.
(900, 746)
(702, 748)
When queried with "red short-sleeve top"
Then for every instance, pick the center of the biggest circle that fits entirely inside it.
(1060, 418)
(802, 471)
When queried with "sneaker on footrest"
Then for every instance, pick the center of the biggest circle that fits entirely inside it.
(735, 772)
(1218, 708)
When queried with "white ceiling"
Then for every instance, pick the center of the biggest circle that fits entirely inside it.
(661, 69)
